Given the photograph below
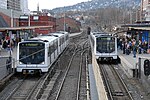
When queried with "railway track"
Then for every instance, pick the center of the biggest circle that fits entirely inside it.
(73, 86)
(68, 82)
(18, 89)
(115, 86)
(31, 87)
(81, 90)
(25, 88)
(73, 75)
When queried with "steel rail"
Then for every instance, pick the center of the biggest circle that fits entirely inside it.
(67, 70)
(123, 83)
(79, 78)
(104, 74)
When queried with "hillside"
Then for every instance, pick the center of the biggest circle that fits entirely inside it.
(95, 4)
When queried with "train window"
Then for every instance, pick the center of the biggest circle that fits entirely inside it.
(59, 41)
(62, 40)
(105, 44)
(49, 51)
(67, 37)
(56, 44)
(32, 53)
(52, 48)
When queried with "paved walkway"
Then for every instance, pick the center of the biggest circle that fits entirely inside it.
(129, 62)
(4, 54)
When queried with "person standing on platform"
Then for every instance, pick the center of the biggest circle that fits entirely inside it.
(140, 47)
(134, 46)
(124, 46)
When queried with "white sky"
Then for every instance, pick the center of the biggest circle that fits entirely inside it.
(50, 4)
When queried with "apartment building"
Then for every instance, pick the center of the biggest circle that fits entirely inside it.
(146, 10)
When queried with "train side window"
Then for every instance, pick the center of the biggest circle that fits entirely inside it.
(49, 51)
(53, 47)
(59, 42)
(56, 44)
(67, 37)
(62, 40)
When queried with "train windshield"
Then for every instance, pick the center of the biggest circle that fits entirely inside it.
(105, 44)
(31, 52)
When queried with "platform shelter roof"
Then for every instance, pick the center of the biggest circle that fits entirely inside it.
(23, 28)
(137, 26)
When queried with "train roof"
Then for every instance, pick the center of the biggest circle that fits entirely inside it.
(46, 38)
(96, 33)
(57, 34)
(63, 32)
(100, 34)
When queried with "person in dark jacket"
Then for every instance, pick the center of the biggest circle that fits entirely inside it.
(134, 46)
(5, 44)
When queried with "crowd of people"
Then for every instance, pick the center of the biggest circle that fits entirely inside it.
(132, 46)
(8, 43)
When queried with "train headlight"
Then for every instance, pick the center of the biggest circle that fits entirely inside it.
(20, 63)
(43, 62)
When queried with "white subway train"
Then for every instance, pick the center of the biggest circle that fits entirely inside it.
(104, 46)
(39, 53)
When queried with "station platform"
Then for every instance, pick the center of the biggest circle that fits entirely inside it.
(4, 55)
(129, 62)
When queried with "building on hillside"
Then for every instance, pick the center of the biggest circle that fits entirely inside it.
(146, 10)
(68, 24)
(39, 20)
(10, 11)
(10, 4)
(17, 5)
(14, 5)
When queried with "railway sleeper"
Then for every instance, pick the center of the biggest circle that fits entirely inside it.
(49, 87)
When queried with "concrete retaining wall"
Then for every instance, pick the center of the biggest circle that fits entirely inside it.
(102, 95)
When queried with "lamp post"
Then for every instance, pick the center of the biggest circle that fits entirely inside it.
(141, 15)
(12, 18)
(64, 20)
(29, 20)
